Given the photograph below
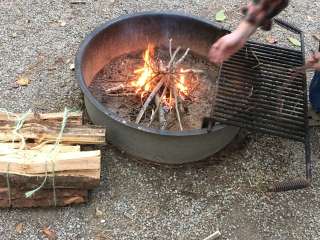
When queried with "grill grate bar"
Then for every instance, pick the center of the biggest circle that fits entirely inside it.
(274, 108)
(262, 92)
(261, 113)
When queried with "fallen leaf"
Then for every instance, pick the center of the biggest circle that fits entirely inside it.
(295, 41)
(49, 233)
(316, 36)
(23, 81)
(98, 212)
(220, 16)
(19, 228)
(271, 40)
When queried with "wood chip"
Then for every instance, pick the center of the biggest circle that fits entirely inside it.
(49, 233)
(74, 200)
(19, 228)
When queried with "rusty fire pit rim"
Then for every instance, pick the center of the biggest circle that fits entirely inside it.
(80, 79)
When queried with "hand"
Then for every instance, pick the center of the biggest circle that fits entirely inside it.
(228, 45)
(314, 61)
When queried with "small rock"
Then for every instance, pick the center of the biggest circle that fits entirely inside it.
(72, 67)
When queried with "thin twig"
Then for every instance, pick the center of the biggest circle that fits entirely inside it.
(182, 71)
(182, 58)
(213, 236)
(177, 107)
(121, 94)
(255, 56)
(170, 47)
(149, 99)
(172, 58)
(114, 89)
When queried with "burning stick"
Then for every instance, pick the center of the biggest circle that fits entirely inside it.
(177, 107)
(170, 47)
(159, 108)
(169, 66)
(121, 94)
(114, 89)
(182, 58)
(149, 99)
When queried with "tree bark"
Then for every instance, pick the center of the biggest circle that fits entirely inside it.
(43, 198)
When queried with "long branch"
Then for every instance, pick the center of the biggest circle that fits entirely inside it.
(169, 66)
(149, 99)
(159, 104)
(177, 107)
(182, 58)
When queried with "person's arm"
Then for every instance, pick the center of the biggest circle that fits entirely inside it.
(314, 62)
(258, 14)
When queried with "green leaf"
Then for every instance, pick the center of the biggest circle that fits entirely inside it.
(295, 42)
(220, 16)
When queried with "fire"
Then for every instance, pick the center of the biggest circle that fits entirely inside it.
(181, 84)
(147, 76)
(146, 73)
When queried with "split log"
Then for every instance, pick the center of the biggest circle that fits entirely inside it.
(43, 198)
(42, 133)
(89, 179)
(26, 162)
(52, 119)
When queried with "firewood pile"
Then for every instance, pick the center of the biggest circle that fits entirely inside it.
(41, 162)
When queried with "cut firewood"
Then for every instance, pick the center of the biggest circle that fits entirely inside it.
(7, 148)
(88, 179)
(74, 118)
(43, 198)
(42, 133)
(27, 162)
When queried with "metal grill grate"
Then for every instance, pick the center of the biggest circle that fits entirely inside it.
(258, 90)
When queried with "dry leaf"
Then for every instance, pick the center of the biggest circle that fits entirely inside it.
(19, 228)
(23, 81)
(220, 16)
(316, 36)
(49, 233)
(271, 40)
(294, 41)
(98, 212)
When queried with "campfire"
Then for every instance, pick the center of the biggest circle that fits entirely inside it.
(163, 87)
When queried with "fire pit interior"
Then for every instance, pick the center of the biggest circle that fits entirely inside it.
(158, 88)
(147, 79)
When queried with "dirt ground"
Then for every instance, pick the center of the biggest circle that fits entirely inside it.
(39, 40)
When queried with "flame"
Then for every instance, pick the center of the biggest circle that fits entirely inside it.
(181, 84)
(146, 73)
(145, 83)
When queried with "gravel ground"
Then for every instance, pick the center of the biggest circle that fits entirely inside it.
(140, 201)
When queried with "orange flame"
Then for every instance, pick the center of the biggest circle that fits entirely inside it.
(146, 73)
